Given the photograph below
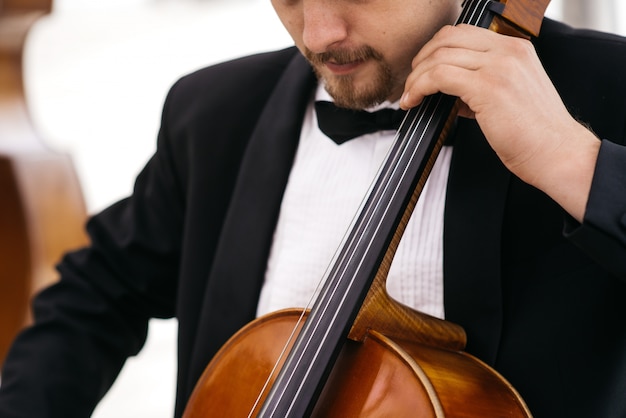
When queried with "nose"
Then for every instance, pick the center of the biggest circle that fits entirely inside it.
(324, 25)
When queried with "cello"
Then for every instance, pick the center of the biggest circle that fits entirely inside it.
(43, 210)
(356, 351)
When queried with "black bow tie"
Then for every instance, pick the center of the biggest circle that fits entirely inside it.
(341, 124)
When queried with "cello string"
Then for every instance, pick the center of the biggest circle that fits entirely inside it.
(275, 367)
(416, 121)
(357, 240)
(359, 243)
(343, 263)
(324, 308)
(471, 15)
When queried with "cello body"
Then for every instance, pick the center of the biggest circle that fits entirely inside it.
(378, 377)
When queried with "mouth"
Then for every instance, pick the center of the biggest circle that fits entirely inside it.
(343, 68)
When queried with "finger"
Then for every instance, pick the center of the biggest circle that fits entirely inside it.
(461, 46)
(439, 78)
(461, 36)
(434, 70)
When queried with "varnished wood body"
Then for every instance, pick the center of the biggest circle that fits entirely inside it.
(42, 212)
(526, 15)
(520, 18)
(378, 377)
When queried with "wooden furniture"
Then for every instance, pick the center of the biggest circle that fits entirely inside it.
(42, 210)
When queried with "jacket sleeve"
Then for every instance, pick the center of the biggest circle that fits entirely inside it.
(96, 315)
(603, 231)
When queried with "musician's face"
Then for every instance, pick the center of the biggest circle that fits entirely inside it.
(363, 49)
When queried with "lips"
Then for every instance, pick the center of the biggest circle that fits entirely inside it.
(341, 69)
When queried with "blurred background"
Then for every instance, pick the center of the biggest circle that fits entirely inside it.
(96, 75)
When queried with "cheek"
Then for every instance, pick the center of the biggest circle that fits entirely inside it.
(400, 62)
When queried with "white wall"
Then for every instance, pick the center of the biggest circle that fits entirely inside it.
(97, 74)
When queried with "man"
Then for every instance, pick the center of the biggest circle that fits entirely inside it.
(534, 235)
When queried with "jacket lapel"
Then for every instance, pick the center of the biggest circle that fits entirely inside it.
(474, 213)
(235, 280)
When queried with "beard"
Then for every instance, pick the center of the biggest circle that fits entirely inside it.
(342, 87)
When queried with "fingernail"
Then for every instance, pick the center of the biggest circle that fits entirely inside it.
(405, 98)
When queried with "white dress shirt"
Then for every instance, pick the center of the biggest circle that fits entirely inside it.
(325, 188)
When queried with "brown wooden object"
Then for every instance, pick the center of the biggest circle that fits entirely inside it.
(42, 210)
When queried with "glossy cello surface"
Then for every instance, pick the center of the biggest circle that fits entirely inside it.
(357, 352)
(42, 212)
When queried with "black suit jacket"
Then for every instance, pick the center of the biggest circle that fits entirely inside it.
(541, 298)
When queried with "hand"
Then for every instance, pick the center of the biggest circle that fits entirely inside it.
(503, 85)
